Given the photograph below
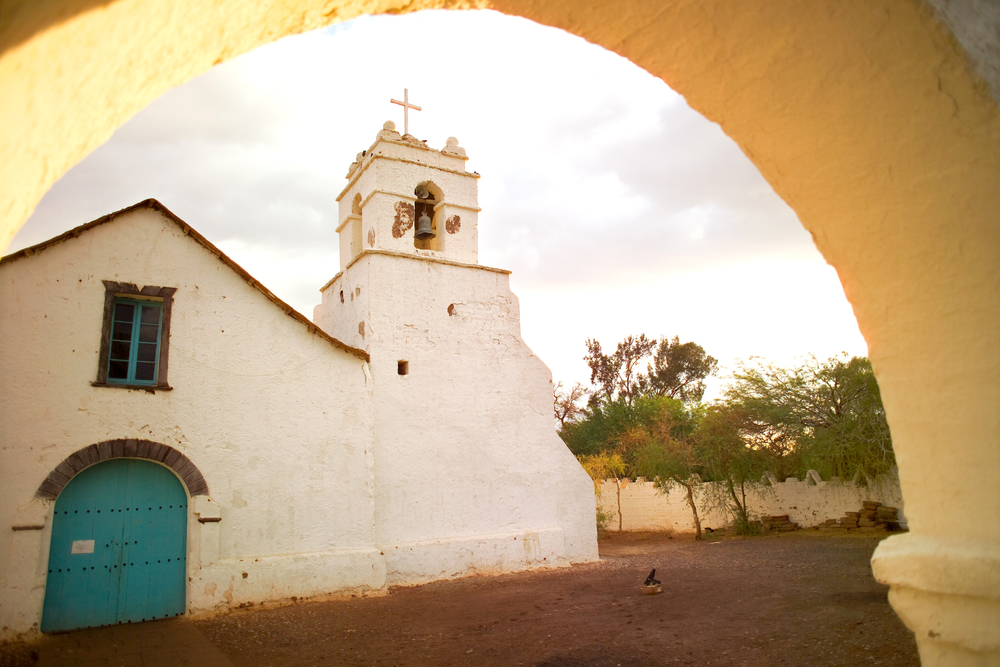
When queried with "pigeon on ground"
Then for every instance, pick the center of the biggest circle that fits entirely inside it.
(650, 581)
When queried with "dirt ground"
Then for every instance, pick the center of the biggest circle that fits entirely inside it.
(793, 599)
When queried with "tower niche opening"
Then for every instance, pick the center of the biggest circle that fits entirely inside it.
(428, 198)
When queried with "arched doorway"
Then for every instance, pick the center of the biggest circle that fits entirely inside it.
(118, 547)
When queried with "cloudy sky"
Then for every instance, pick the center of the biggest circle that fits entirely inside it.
(618, 208)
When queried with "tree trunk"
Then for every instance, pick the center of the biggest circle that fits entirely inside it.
(743, 493)
(694, 509)
(618, 491)
(740, 508)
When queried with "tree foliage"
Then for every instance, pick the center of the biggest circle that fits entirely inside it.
(605, 425)
(666, 452)
(617, 376)
(679, 370)
(609, 441)
(824, 415)
(672, 369)
(644, 417)
(602, 466)
(705, 445)
(731, 461)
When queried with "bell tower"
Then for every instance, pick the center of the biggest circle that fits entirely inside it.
(461, 406)
(405, 197)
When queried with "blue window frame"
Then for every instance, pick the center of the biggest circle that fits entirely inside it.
(135, 336)
(135, 342)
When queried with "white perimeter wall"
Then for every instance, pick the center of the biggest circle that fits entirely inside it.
(806, 502)
(277, 419)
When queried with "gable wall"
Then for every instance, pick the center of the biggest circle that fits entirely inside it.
(277, 419)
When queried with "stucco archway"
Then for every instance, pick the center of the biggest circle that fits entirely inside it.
(864, 116)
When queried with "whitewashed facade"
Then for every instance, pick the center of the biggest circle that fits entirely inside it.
(420, 448)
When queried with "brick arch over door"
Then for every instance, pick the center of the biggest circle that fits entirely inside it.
(129, 449)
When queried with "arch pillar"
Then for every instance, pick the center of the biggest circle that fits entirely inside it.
(867, 119)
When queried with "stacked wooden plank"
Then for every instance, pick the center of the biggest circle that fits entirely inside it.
(779, 523)
(887, 516)
(873, 515)
(867, 517)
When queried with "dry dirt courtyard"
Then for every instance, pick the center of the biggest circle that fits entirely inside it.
(805, 598)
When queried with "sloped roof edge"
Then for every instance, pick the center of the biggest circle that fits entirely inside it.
(188, 231)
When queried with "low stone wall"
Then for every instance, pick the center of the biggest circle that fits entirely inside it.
(808, 502)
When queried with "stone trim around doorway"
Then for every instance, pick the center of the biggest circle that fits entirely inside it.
(129, 448)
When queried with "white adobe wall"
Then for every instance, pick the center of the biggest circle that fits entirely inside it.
(343, 311)
(470, 474)
(806, 502)
(277, 419)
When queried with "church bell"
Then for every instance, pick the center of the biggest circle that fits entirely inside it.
(424, 231)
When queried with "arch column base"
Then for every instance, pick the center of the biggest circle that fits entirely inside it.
(939, 654)
(947, 591)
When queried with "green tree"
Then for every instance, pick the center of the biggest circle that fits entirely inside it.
(703, 452)
(604, 425)
(607, 441)
(679, 370)
(617, 376)
(828, 414)
(602, 466)
(733, 463)
(672, 369)
(665, 451)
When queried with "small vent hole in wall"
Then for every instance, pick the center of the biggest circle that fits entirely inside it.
(403, 367)
(342, 296)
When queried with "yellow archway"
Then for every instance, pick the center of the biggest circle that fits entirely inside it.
(864, 116)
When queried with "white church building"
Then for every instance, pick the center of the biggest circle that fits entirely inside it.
(175, 439)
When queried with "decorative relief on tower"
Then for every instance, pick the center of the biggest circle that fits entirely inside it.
(404, 219)
(371, 238)
(453, 224)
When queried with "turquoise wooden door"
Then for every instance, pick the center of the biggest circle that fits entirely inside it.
(118, 550)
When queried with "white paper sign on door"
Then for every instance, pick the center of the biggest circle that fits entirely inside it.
(82, 547)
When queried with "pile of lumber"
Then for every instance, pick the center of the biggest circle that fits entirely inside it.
(778, 523)
(872, 515)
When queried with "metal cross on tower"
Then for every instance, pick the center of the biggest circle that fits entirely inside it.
(406, 109)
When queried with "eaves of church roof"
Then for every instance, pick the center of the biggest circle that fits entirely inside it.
(188, 230)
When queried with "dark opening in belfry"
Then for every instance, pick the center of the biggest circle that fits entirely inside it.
(425, 233)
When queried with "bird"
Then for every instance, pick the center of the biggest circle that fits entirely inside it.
(650, 581)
